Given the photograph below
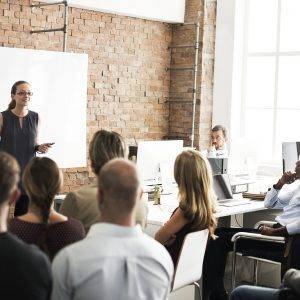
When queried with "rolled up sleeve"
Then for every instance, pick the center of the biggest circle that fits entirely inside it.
(274, 200)
(293, 228)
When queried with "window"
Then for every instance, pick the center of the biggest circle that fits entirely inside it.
(267, 58)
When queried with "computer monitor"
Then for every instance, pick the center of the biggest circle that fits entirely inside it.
(218, 165)
(290, 155)
(222, 187)
(152, 156)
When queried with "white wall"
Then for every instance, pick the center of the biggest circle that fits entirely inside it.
(223, 70)
(59, 85)
(170, 11)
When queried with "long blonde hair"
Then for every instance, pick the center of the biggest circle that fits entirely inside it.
(193, 175)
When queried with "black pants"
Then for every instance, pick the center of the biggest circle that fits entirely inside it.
(217, 251)
(21, 206)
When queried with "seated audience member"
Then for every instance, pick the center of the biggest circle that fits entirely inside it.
(291, 281)
(287, 224)
(196, 202)
(116, 260)
(42, 225)
(218, 147)
(24, 270)
(82, 204)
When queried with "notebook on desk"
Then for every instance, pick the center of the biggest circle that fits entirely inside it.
(223, 192)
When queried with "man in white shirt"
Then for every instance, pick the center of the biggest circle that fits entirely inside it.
(288, 224)
(218, 147)
(289, 220)
(116, 260)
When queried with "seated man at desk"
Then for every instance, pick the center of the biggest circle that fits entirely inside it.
(288, 224)
(218, 147)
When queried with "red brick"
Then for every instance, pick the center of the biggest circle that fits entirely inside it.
(128, 84)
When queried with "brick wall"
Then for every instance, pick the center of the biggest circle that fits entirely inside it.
(207, 72)
(128, 84)
(181, 81)
(128, 87)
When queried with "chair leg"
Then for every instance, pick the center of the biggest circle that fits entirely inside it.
(255, 272)
(233, 271)
(197, 287)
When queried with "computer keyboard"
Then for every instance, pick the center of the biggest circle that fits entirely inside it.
(233, 202)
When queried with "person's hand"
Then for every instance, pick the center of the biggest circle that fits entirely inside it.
(212, 148)
(171, 240)
(43, 148)
(265, 230)
(286, 178)
(281, 231)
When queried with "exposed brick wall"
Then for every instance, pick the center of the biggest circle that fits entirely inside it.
(128, 84)
(207, 72)
(181, 87)
(128, 87)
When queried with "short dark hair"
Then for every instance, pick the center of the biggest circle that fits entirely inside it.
(222, 128)
(105, 146)
(9, 175)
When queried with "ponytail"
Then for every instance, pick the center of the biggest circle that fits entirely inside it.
(42, 181)
(45, 211)
(12, 104)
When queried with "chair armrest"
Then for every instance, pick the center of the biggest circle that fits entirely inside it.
(257, 237)
(264, 223)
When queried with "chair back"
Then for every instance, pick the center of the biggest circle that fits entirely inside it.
(291, 254)
(287, 294)
(190, 261)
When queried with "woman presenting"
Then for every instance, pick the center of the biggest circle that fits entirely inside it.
(19, 132)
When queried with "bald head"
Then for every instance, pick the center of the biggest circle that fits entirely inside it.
(119, 187)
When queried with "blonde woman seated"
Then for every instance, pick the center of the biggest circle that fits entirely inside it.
(196, 202)
(42, 225)
(82, 204)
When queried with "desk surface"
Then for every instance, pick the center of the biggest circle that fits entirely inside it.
(160, 214)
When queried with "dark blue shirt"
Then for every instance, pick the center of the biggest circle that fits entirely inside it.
(17, 141)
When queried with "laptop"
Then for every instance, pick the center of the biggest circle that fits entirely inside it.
(223, 191)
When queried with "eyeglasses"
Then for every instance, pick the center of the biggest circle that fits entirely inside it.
(25, 93)
(217, 138)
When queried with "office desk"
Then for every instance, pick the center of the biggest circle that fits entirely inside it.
(160, 214)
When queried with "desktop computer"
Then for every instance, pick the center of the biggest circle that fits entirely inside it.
(290, 155)
(155, 161)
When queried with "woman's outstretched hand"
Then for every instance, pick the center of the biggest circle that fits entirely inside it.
(43, 148)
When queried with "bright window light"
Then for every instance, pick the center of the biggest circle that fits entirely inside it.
(269, 89)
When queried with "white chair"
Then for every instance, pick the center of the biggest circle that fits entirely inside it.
(189, 266)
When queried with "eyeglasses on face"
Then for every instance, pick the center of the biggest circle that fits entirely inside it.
(217, 138)
(24, 93)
